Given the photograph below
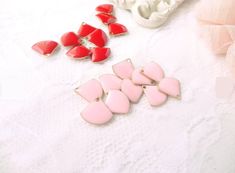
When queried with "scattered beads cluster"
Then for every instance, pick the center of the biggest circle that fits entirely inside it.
(125, 87)
(87, 35)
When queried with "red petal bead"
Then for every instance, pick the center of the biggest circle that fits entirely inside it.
(85, 29)
(70, 39)
(105, 8)
(79, 52)
(45, 47)
(106, 18)
(100, 54)
(98, 37)
(117, 29)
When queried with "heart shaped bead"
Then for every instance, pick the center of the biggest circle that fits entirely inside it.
(154, 96)
(110, 82)
(117, 29)
(123, 69)
(139, 79)
(153, 71)
(132, 91)
(170, 86)
(69, 39)
(79, 52)
(117, 102)
(91, 90)
(105, 8)
(97, 113)
(45, 47)
(100, 54)
(85, 29)
(106, 18)
(98, 37)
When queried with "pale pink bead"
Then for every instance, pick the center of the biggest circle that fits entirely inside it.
(117, 102)
(110, 82)
(97, 113)
(154, 96)
(123, 69)
(170, 86)
(91, 90)
(132, 91)
(139, 78)
(153, 71)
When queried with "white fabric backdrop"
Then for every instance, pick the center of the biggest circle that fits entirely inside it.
(41, 130)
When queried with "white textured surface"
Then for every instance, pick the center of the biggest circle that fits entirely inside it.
(41, 130)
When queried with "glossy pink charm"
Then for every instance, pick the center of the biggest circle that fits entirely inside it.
(117, 102)
(79, 52)
(106, 18)
(123, 69)
(105, 8)
(110, 82)
(91, 90)
(97, 113)
(100, 54)
(117, 29)
(45, 47)
(139, 79)
(154, 96)
(70, 39)
(85, 29)
(170, 86)
(153, 71)
(98, 38)
(124, 88)
(132, 91)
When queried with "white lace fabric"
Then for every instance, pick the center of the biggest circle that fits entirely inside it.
(41, 130)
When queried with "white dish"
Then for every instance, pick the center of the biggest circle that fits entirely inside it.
(149, 13)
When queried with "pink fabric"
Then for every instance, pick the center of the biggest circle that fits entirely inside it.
(217, 11)
(217, 20)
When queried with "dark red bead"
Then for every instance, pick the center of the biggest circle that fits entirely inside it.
(85, 29)
(79, 52)
(70, 39)
(105, 8)
(98, 37)
(106, 18)
(117, 29)
(100, 54)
